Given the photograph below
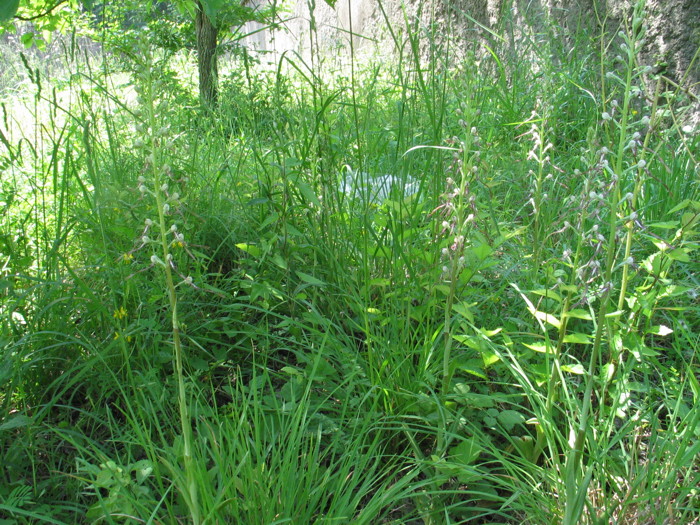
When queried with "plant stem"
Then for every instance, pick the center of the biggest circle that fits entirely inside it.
(185, 422)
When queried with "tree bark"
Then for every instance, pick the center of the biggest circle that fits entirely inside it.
(207, 35)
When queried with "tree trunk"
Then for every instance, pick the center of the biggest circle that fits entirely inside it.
(206, 58)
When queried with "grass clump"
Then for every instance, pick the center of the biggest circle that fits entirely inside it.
(405, 294)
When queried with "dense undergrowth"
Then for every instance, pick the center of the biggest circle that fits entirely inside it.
(409, 293)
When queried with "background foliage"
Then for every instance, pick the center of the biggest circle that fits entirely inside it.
(410, 292)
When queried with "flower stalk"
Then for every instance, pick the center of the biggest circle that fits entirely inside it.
(160, 178)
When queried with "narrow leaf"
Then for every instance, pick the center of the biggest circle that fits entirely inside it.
(16, 422)
(310, 279)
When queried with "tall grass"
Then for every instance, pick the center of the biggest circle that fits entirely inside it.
(213, 318)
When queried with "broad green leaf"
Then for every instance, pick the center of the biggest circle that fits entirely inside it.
(547, 318)
(490, 417)
(462, 389)
(472, 399)
(608, 372)
(279, 261)
(660, 329)
(252, 249)
(469, 368)
(466, 452)
(578, 338)
(539, 347)
(292, 231)
(308, 193)
(526, 446)
(443, 289)
(27, 39)
(212, 8)
(8, 8)
(469, 340)
(482, 251)
(688, 220)
(491, 333)
(682, 205)
(616, 313)
(143, 469)
(463, 310)
(679, 254)
(320, 370)
(198, 364)
(489, 358)
(664, 225)
(578, 313)
(648, 352)
(510, 418)
(577, 369)
(549, 294)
